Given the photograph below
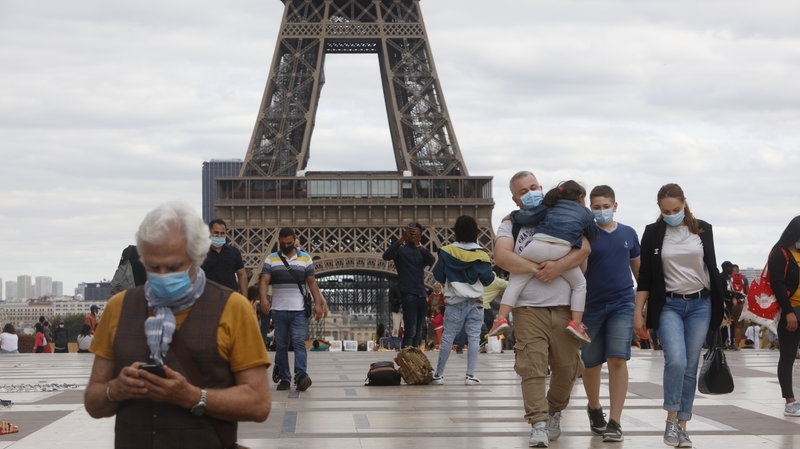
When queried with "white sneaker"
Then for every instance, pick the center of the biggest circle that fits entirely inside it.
(792, 409)
(471, 380)
(437, 380)
(538, 436)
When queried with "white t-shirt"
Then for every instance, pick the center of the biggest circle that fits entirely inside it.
(535, 293)
(685, 271)
(9, 342)
(84, 341)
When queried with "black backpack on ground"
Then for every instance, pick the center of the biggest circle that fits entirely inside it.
(382, 374)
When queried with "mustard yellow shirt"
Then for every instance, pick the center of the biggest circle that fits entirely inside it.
(795, 299)
(238, 336)
(492, 290)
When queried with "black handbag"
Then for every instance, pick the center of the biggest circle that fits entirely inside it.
(715, 375)
(308, 302)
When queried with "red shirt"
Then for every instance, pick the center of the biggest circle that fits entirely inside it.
(39, 341)
(91, 320)
(438, 321)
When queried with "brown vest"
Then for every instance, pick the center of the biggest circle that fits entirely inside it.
(143, 423)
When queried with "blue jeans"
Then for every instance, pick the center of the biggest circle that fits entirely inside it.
(290, 325)
(610, 328)
(683, 327)
(415, 308)
(467, 314)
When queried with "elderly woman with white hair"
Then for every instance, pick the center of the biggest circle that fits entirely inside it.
(179, 361)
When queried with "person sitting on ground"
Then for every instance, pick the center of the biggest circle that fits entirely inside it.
(85, 339)
(320, 345)
(9, 341)
(561, 220)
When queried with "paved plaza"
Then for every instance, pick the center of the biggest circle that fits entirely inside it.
(338, 411)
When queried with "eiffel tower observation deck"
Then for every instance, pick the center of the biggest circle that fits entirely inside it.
(345, 220)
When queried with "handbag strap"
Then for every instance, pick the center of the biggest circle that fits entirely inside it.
(197, 376)
(288, 267)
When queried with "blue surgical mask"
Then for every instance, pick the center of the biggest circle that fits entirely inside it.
(532, 199)
(604, 216)
(674, 220)
(217, 241)
(169, 285)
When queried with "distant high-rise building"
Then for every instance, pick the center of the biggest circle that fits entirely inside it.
(58, 289)
(1, 289)
(24, 287)
(750, 273)
(11, 290)
(97, 291)
(43, 286)
(81, 290)
(211, 170)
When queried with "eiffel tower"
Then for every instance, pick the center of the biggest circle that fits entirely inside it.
(347, 219)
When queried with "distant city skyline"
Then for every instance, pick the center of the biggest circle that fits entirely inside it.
(32, 287)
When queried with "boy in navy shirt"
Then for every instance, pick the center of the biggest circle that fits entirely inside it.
(610, 303)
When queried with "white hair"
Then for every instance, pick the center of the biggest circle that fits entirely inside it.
(176, 216)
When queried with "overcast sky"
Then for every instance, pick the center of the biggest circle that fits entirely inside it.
(109, 108)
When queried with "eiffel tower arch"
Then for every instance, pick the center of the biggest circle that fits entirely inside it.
(347, 219)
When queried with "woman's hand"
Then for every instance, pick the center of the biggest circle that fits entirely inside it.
(639, 323)
(791, 322)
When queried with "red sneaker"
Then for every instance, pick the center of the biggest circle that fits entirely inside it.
(579, 331)
(501, 326)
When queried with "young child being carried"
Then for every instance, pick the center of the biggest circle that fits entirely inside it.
(561, 220)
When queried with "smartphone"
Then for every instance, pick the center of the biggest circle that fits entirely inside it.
(152, 368)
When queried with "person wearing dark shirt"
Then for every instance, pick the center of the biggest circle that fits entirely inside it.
(224, 264)
(61, 337)
(410, 258)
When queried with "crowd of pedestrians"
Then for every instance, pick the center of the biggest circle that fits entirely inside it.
(581, 289)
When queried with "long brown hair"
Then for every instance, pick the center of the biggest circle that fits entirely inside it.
(673, 190)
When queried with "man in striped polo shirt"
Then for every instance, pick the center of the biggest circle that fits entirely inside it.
(287, 306)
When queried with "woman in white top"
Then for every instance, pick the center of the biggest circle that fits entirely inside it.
(9, 341)
(681, 287)
(84, 338)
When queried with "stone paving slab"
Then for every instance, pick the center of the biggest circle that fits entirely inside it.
(338, 411)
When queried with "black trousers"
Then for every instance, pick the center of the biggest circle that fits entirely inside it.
(788, 347)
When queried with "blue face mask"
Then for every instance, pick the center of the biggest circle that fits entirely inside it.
(674, 220)
(169, 285)
(217, 241)
(604, 216)
(532, 199)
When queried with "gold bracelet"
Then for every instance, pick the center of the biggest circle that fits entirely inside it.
(108, 392)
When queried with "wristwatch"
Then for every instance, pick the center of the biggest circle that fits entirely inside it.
(199, 409)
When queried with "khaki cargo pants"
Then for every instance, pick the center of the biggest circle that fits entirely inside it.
(541, 340)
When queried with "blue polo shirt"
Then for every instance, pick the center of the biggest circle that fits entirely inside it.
(608, 277)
